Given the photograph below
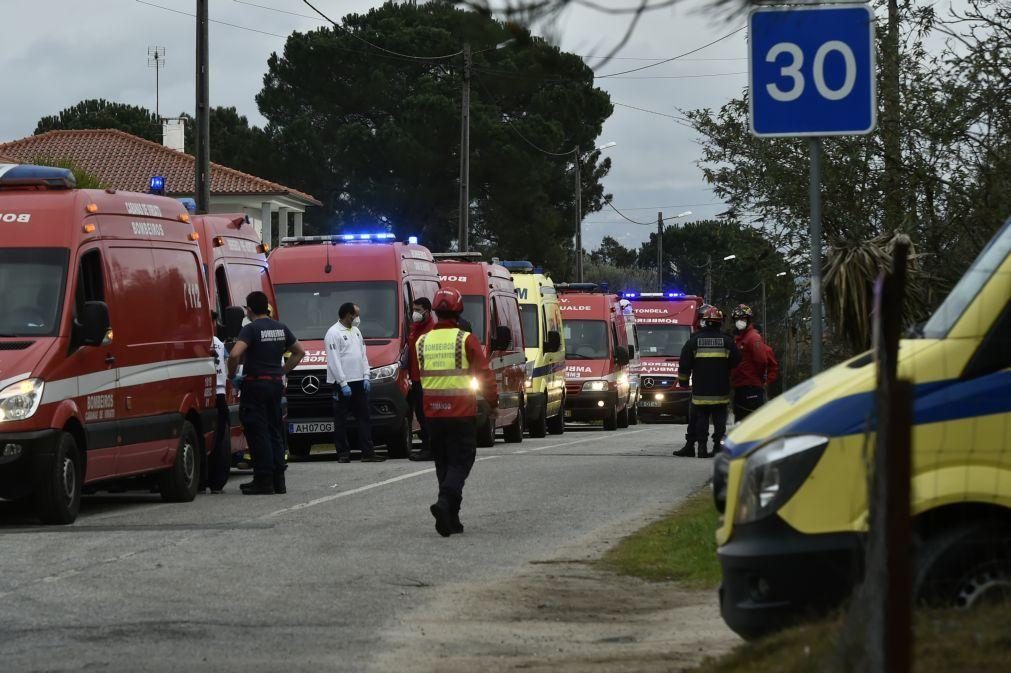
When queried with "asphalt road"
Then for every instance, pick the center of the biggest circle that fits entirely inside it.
(306, 581)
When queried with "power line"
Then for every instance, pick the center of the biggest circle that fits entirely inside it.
(674, 58)
(683, 121)
(376, 46)
(713, 74)
(517, 131)
(223, 23)
(677, 205)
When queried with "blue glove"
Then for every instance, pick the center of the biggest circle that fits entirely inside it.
(368, 384)
(237, 381)
(346, 390)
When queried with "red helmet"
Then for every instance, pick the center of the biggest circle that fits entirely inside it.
(448, 299)
(712, 314)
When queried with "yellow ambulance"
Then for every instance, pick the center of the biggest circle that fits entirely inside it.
(542, 334)
(792, 480)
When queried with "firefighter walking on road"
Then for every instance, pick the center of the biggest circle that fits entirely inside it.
(707, 360)
(452, 365)
(749, 379)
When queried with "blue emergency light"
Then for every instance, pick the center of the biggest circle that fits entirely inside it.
(26, 175)
(629, 295)
(413, 240)
(190, 204)
(156, 185)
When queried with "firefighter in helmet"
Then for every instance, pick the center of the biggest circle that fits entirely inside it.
(688, 450)
(707, 360)
(454, 371)
(750, 378)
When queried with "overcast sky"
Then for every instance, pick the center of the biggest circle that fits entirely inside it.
(59, 52)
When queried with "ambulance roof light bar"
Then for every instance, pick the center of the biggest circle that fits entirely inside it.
(450, 256)
(339, 238)
(579, 287)
(653, 295)
(519, 266)
(20, 176)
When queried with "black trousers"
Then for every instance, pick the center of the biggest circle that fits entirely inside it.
(220, 462)
(260, 412)
(746, 400)
(358, 406)
(717, 413)
(454, 445)
(690, 428)
(417, 408)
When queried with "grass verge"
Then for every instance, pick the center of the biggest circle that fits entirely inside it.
(679, 547)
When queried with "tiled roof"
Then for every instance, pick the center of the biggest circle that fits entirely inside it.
(124, 161)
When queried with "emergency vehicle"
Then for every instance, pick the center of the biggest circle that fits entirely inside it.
(313, 276)
(664, 321)
(545, 349)
(795, 475)
(235, 264)
(106, 370)
(597, 355)
(490, 306)
(634, 363)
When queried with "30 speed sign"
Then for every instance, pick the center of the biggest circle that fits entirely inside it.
(812, 70)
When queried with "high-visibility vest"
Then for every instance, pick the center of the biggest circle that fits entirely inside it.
(442, 360)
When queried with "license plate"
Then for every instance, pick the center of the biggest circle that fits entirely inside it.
(310, 428)
(649, 403)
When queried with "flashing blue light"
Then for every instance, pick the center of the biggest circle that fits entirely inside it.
(43, 176)
(413, 240)
(630, 295)
(367, 237)
(156, 185)
(190, 204)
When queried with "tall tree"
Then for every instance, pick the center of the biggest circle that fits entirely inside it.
(377, 135)
(234, 142)
(102, 114)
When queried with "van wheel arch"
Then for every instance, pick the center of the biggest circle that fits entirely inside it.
(964, 564)
(193, 418)
(74, 428)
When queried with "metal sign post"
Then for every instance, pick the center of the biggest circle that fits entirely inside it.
(812, 74)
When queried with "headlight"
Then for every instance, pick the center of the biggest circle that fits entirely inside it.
(382, 373)
(475, 385)
(659, 397)
(20, 400)
(774, 472)
(529, 383)
(595, 386)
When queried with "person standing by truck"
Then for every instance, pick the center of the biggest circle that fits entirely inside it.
(749, 378)
(707, 360)
(348, 370)
(422, 322)
(220, 462)
(261, 346)
(454, 371)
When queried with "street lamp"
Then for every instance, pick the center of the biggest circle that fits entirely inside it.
(579, 208)
(659, 245)
(729, 257)
(709, 274)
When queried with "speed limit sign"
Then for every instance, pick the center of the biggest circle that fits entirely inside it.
(812, 70)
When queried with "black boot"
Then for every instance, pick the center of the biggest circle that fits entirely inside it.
(422, 454)
(454, 523)
(443, 518)
(702, 451)
(279, 484)
(259, 486)
(686, 451)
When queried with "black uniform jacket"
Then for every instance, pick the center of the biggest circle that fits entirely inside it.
(707, 359)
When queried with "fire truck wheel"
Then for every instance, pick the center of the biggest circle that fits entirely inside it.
(539, 428)
(513, 434)
(611, 419)
(179, 482)
(633, 415)
(398, 443)
(58, 498)
(486, 434)
(623, 417)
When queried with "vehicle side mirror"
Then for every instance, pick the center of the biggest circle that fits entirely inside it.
(93, 323)
(503, 338)
(621, 355)
(234, 315)
(631, 352)
(554, 342)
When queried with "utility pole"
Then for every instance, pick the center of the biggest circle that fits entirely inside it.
(709, 278)
(579, 218)
(464, 233)
(202, 188)
(891, 134)
(659, 252)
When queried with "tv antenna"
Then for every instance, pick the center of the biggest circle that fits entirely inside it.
(156, 60)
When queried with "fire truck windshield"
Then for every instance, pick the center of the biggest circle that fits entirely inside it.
(310, 309)
(586, 340)
(662, 340)
(31, 283)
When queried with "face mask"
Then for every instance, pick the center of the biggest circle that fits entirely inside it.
(356, 322)
(417, 316)
(740, 324)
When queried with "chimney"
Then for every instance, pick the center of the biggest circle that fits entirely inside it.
(173, 134)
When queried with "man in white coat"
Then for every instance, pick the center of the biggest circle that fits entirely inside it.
(347, 368)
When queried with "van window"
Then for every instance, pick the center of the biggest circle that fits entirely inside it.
(31, 283)
(994, 353)
(224, 297)
(663, 340)
(310, 309)
(531, 324)
(474, 313)
(246, 278)
(508, 311)
(586, 340)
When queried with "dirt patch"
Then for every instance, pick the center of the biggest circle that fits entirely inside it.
(560, 615)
